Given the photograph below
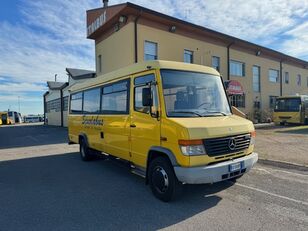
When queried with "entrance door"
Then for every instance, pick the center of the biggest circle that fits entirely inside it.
(145, 128)
(115, 109)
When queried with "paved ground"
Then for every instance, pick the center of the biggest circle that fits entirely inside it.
(283, 143)
(54, 190)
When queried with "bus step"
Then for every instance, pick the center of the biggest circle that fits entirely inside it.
(138, 172)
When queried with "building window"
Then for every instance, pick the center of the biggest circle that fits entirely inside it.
(91, 100)
(115, 98)
(188, 56)
(237, 100)
(237, 68)
(53, 105)
(286, 77)
(150, 50)
(299, 80)
(307, 81)
(65, 103)
(273, 75)
(216, 63)
(272, 101)
(256, 78)
(99, 63)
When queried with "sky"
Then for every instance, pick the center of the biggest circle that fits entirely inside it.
(40, 38)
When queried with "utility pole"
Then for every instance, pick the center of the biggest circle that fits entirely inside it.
(19, 104)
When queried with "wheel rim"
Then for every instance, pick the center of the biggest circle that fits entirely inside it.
(160, 179)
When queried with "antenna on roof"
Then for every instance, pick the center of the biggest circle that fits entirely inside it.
(105, 3)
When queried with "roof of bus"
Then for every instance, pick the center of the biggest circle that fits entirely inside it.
(140, 67)
(291, 96)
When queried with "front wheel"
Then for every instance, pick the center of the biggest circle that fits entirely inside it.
(163, 182)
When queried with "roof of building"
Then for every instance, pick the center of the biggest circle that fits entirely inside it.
(56, 85)
(139, 67)
(129, 8)
(80, 73)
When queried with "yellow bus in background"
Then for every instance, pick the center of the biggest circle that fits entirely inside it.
(170, 121)
(4, 118)
(291, 110)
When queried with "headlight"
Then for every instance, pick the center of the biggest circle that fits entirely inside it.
(192, 147)
(252, 137)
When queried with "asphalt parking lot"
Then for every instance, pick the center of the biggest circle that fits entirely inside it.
(45, 186)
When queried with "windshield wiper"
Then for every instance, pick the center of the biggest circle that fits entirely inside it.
(213, 113)
(188, 112)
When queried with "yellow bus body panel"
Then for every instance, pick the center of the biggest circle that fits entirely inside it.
(287, 117)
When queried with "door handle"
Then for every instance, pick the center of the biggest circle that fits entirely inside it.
(133, 125)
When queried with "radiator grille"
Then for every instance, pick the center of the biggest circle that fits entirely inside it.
(225, 145)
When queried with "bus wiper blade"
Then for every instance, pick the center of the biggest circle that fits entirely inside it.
(189, 112)
(212, 113)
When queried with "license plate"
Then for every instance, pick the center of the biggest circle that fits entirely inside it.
(235, 167)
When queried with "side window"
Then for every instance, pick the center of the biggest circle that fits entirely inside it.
(140, 83)
(115, 98)
(91, 101)
(76, 102)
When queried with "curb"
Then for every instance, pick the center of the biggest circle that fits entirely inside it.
(264, 125)
(283, 164)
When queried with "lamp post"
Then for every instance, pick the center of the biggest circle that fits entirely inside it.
(19, 104)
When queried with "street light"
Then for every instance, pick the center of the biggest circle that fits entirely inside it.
(19, 104)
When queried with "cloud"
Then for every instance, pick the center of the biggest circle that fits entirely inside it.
(52, 34)
(14, 87)
(298, 42)
(50, 37)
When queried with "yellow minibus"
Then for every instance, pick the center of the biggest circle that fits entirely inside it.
(4, 118)
(291, 110)
(170, 121)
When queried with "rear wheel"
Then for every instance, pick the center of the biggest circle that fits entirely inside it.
(85, 151)
(163, 182)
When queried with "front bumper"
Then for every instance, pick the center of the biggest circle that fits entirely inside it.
(216, 172)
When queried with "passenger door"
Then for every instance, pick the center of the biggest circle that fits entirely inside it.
(115, 110)
(144, 127)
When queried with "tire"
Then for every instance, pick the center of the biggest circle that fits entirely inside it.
(85, 151)
(162, 179)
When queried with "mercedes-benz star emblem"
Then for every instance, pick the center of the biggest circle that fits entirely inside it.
(232, 144)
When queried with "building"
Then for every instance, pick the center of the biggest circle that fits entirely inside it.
(56, 98)
(255, 75)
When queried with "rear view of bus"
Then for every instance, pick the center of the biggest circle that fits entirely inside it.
(291, 110)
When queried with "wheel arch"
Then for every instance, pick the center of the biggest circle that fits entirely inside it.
(157, 151)
(83, 136)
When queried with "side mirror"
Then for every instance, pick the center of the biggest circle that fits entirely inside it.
(146, 97)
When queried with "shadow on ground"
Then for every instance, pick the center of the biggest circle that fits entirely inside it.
(31, 135)
(301, 130)
(63, 193)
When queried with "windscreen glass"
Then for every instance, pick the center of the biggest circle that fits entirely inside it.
(288, 104)
(192, 94)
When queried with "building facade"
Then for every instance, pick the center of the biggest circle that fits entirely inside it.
(127, 33)
(56, 98)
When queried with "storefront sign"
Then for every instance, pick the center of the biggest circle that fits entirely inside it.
(234, 87)
(98, 22)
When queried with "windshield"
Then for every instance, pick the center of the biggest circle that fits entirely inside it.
(287, 104)
(191, 94)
